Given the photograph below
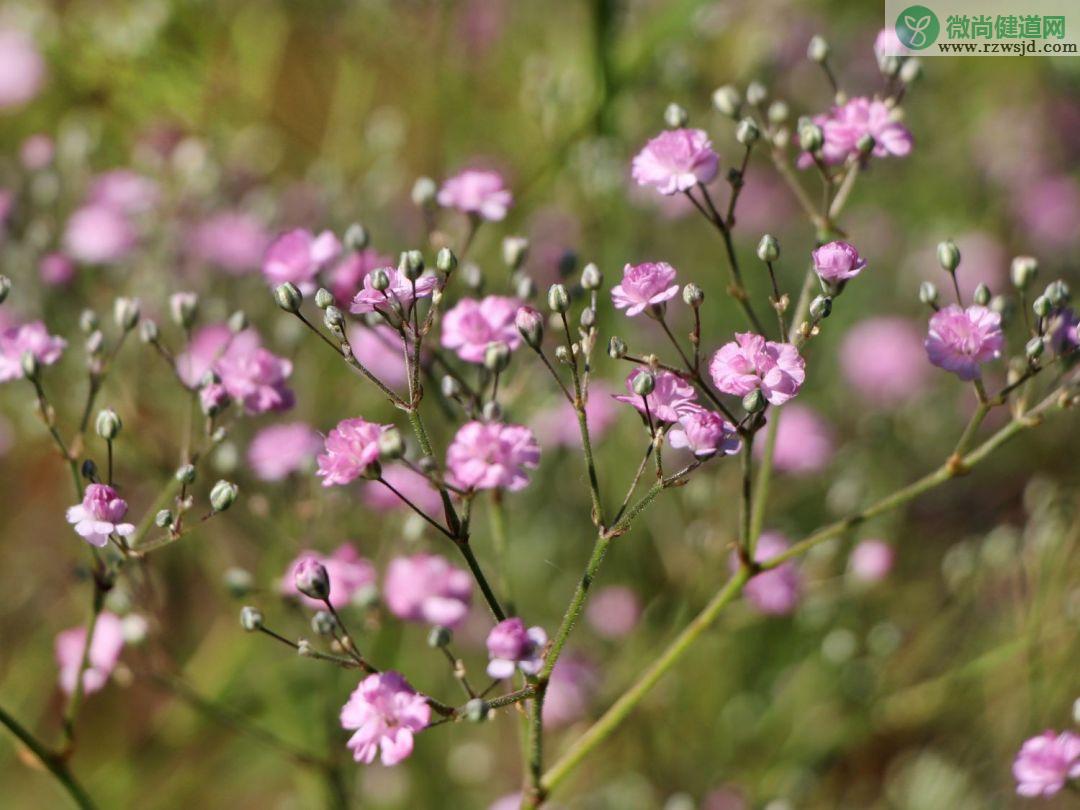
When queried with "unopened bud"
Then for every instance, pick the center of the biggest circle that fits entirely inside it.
(183, 307)
(251, 618)
(865, 144)
(323, 623)
(238, 322)
(185, 474)
(439, 636)
(768, 249)
(450, 387)
(558, 299)
(616, 348)
(1023, 271)
(588, 318)
(492, 411)
(563, 355)
(889, 64)
(910, 70)
(948, 256)
(1058, 293)
(126, 313)
(982, 295)
(693, 295)
(591, 277)
(473, 276)
(95, 342)
(223, 495)
(1034, 347)
(524, 287)
(356, 237)
(778, 112)
(411, 264)
(30, 366)
(476, 710)
(324, 298)
(747, 132)
(164, 518)
(811, 137)
(1042, 306)
(107, 424)
(817, 50)
(754, 401)
(88, 321)
(515, 249)
(676, 116)
(726, 100)
(334, 321)
(89, 470)
(928, 293)
(530, 323)
(644, 383)
(821, 307)
(312, 579)
(756, 93)
(380, 279)
(288, 297)
(5, 288)
(148, 331)
(423, 192)
(391, 444)
(445, 260)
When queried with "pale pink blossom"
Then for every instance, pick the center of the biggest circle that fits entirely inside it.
(22, 68)
(105, 647)
(574, 681)
(385, 712)
(960, 340)
(805, 442)
(751, 362)
(351, 448)
(670, 395)
(32, 338)
(479, 193)
(775, 592)
(471, 325)
(845, 125)
(838, 261)
(510, 646)
(401, 291)
(100, 515)
(1046, 762)
(884, 361)
(349, 574)
(1048, 209)
(644, 286)
(676, 160)
(556, 424)
(346, 278)
(871, 560)
(98, 234)
(492, 455)
(124, 191)
(214, 398)
(297, 256)
(56, 269)
(412, 485)
(704, 433)
(277, 451)
(613, 611)
(234, 241)
(426, 588)
(255, 377)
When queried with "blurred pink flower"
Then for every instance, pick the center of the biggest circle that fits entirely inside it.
(676, 160)
(669, 396)
(385, 711)
(401, 290)
(845, 125)
(22, 68)
(36, 152)
(411, 484)
(871, 560)
(235, 241)
(297, 256)
(214, 398)
(510, 646)
(643, 286)
(426, 588)
(837, 261)
(492, 455)
(351, 448)
(98, 234)
(557, 424)
(884, 360)
(380, 349)
(105, 648)
(33, 337)
(573, 682)
(961, 339)
(775, 592)
(751, 362)
(1048, 210)
(278, 450)
(704, 433)
(1046, 762)
(804, 441)
(56, 269)
(124, 191)
(471, 325)
(613, 612)
(479, 193)
(347, 276)
(349, 574)
(252, 375)
(99, 515)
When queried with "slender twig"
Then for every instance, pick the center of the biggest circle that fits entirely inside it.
(53, 763)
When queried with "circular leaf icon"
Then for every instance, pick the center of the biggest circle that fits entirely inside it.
(917, 27)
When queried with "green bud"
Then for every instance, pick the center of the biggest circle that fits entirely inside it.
(445, 261)
(126, 313)
(928, 293)
(817, 50)
(616, 348)
(1023, 271)
(982, 295)
(323, 623)
(324, 298)
(515, 249)
(107, 424)
(288, 297)
(591, 277)
(821, 307)
(356, 237)
(644, 383)
(439, 636)
(675, 116)
(1034, 347)
(238, 322)
(747, 132)
(558, 298)
(251, 618)
(424, 191)
(948, 256)
(778, 112)
(183, 307)
(811, 137)
(1058, 293)
(391, 444)
(756, 93)
(185, 474)
(1042, 306)
(496, 356)
(476, 710)
(380, 279)
(164, 519)
(726, 100)
(693, 295)
(754, 401)
(223, 495)
(768, 249)
(88, 321)
(148, 331)
(5, 288)
(30, 366)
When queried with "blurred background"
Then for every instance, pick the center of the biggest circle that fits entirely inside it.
(907, 689)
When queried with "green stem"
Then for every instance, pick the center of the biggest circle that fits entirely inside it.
(53, 763)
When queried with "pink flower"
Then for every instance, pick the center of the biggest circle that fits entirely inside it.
(400, 290)
(105, 648)
(254, 376)
(479, 193)
(669, 397)
(676, 160)
(573, 682)
(492, 455)
(297, 256)
(643, 286)
(1048, 209)
(962, 339)
(471, 325)
(837, 261)
(22, 68)
(15, 341)
(206, 347)
(871, 560)
(349, 574)
(56, 269)
(804, 441)
(36, 152)
(235, 241)
(412, 485)
(380, 348)
(214, 398)
(1062, 330)
(124, 191)
(351, 448)
(1046, 762)
(613, 612)
(844, 126)
(557, 423)
(426, 588)
(884, 361)
(385, 711)
(99, 515)
(347, 276)
(510, 646)
(98, 234)
(775, 592)
(887, 43)
(704, 433)
(279, 450)
(752, 362)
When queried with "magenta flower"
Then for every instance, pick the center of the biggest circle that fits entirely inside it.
(22, 68)
(412, 485)
(15, 341)
(643, 286)
(381, 349)
(669, 397)
(297, 256)
(479, 193)
(556, 424)
(56, 269)
(124, 191)
(960, 340)
(574, 681)
(804, 441)
(613, 612)
(1062, 330)
(98, 234)
(844, 126)
(351, 448)
(385, 712)
(349, 574)
(235, 241)
(871, 560)
(99, 515)
(676, 160)
(471, 325)
(255, 377)
(426, 588)
(105, 648)
(492, 455)
(400, 290)
(214, 398)
(775, 592)
(510, 646)
(752, 362)
(1046, 762)
(837, 261)
(277, 451)
(347, 277)
(884, 361)
(704, 433)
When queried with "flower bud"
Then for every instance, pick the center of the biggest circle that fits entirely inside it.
(1058, 293)
(476, 710)
(756, 93)
(644, 383)
(88, 321)
(95, 342)
(183, 307)
(778, 112)
(238, 322)
(288, 297)
(588, 318)
(754, 401)
(324, 298)
(450, 387)
(223, 495)
(126, 313)
(530, 323)
(323, 623)
(768, 249)
(164, 518)
(391, 444)
(1034, 348)
(411, 264)
(821, 307)
(439, 636)
(334, 321)
(107, 424)
(910, 70)
(817, 50)
(445, 260)
(185, 474)
(591, 277)
(1023, 271)
(616, 348)
(30, 365)
(89, 470)
(148, 331)
(676, 116)
(747, 132)
(251, 618)
(726, 100)
(524, 287)
(693, 295)
(5, 288)
(356, 237)
(311, 579)
(948, 256)
(514, 251)
(811, 137)
(558, 299)
(1042, 306)
(866, 144)
(562, 354)
(982, 295)
(928, 293)
(1003, 306)
(424, 191)
(473, 276)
